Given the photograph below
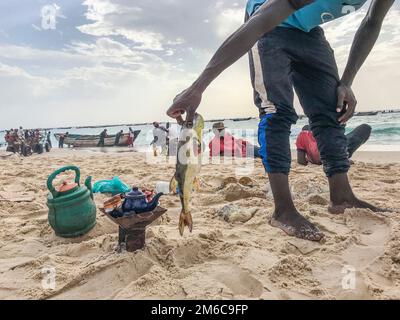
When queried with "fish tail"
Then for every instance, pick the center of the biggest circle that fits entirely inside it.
(185, 220)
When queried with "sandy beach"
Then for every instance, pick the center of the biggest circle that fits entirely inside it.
(245, 258)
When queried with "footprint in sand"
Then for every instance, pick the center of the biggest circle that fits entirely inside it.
(360, 258)
(373, 232)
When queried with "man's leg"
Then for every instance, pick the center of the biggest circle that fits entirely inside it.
(273, 92)
(357, 138)
(316, 80)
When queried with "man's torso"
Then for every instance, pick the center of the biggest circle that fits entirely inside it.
(315, 14)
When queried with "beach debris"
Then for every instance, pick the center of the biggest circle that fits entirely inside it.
(243, 181)
(162, 187)
(247, 182)
(114, 186)
(6, 154)
(305, 247)
(232, 213)
(317, 200)
(113, 204)
(187, 168)
(72, 211)
(17, 196)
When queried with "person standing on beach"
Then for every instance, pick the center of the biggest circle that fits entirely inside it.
(295, 54)
(131, 137)
(61, 141)
(48, 139)
(160, 134)
(103, 136)
(118, 137)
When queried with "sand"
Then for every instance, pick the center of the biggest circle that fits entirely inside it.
(232, 252)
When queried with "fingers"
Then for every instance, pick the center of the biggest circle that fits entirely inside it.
(180, 120)
(341, 100)
(174, 112)
(349, 113)
(190, 117)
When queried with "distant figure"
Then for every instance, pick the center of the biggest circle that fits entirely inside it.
(307, 148)
(160, 138)
(118, 137)
(224, 144)
(48, 139)
(103, 135)
(26, 134)
(62, 139)
(172, 140)
(21, 133)
(10, 139)
(131, 137)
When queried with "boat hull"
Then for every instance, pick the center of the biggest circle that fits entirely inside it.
(91, 141)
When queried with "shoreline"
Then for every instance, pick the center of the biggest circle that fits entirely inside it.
(239, 119)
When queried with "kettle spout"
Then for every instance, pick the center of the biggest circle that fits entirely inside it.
(88, 184)
(154, 203)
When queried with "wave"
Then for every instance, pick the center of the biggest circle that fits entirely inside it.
(390, 131)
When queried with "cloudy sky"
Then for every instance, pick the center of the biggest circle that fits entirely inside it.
(119, 61)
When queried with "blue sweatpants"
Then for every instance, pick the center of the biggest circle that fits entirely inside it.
(287, 59)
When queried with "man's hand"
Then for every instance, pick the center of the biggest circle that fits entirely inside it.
(346, 104)
(186, 102)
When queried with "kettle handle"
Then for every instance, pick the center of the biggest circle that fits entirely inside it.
(58, 172)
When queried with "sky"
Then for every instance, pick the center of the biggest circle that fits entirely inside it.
(123, 61)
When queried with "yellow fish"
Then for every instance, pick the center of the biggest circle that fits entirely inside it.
(188, 166)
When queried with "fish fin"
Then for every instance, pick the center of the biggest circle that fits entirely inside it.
(185, 220)
(197, 184)
(173, 185)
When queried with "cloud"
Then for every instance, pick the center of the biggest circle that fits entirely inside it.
(114, 61)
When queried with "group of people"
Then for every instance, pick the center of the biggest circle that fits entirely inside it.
(288, 52)
(104, 134)
(25, 142)
(225, 144)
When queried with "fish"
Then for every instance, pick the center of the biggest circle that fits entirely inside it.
(188, 166)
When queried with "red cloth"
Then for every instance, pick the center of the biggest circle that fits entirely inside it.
(307, 143)
(228, 146)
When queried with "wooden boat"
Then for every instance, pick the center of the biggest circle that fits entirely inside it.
(368, 113)
(242, 119)
(91, 141)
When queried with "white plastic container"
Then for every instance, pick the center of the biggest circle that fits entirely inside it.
(162, 187)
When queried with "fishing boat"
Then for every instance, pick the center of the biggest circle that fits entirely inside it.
(91, 141)
(368, 113)
(242, 119)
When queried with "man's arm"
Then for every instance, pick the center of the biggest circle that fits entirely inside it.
(269, 15)
(301, 158)
(364, 41)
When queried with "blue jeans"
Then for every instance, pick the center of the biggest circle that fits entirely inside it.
(287, 59)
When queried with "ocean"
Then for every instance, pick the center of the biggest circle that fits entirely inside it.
(385, 131)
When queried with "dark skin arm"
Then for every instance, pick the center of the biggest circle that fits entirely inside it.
(364, 41)
(268, 16)
(301, 158)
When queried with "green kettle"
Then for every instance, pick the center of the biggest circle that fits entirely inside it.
(72, 211)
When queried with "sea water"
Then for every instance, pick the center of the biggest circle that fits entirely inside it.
(385, 131)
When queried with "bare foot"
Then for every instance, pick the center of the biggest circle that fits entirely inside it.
(294, 224)
(340, 208)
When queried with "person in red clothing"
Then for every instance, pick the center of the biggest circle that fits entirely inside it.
(224, 144)
(307, 147)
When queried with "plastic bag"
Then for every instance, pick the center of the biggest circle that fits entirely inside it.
(114, 186)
